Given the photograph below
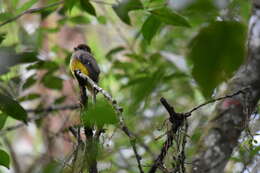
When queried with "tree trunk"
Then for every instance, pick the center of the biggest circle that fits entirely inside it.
(232, 114)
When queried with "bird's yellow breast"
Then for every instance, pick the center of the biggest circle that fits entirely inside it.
(77, 65)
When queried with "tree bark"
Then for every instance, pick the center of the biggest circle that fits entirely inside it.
(231, 115)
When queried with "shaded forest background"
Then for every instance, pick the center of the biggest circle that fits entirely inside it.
(186, 51)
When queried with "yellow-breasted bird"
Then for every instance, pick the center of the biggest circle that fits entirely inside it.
(83, 60)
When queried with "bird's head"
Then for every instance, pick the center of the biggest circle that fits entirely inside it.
(83, 47)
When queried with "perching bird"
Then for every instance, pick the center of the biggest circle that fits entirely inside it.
(83, 60)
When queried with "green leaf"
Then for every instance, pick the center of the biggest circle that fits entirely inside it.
(124, 7)
(52, 167)
(102, 19)
(29, 82)
(114, 51)
(4, 159)
(47, 65)
(52, 82)
(5, 16)
(216, 52)
(88, 7)
(30, 96)
(169, 17)
(69, 4)
(3, 118)
(26, 6)
(12, 108)
(150, 27)
(144, 86)
(80, 20)
(60, 100)
(99, 114)
(27, 57)
(2, 37)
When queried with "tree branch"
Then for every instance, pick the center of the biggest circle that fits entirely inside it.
(30, 11)
(242, 91)
(177, 120)
(118, 111)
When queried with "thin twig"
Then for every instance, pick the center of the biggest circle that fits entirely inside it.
(118, 111)
(30, 11)
(242, 91)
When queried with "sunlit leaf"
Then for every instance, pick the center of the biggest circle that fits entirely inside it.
(79, 20)
(170, 17)
(99, 114)
(4, 159)
(216, 52)
(150, 27)
(52, 82)
(12, 108)
(124, 7)
(102, 19)
(69, 4)
(26, 6)
(88, 7)
(3, 118)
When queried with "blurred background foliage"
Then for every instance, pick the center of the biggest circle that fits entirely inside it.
(184, 50)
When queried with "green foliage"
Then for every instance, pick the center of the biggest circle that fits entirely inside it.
(3, 118)
(26, 6)
(124, 7)
(114, 51)
(88, 7)
(169, 17)
(150, 27)
(69, 4)
(4, 16)
(12, 108)
(216, 52)
(52, 82)
(2, 37)
(44, 65)
(144, 86)
(52, 167)
(29, 82)
(136, 70)
(4, 159)
(79, 20)
(99, 114)
(30, 96)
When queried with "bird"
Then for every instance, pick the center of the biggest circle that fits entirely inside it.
(83, 60)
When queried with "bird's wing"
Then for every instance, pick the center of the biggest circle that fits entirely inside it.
(90, 63)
